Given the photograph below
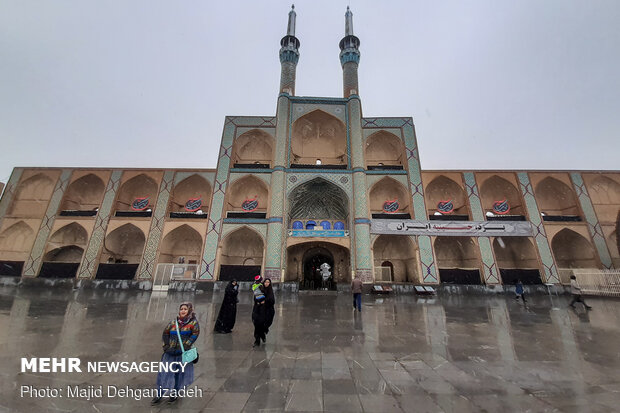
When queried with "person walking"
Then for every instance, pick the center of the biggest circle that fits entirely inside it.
(186, 326)
(519, 292)
(228, 311)
(356, 289)
(575, 291)
(270, 303)
(259, 314)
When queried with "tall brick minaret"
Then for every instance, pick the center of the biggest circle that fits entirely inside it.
(289, 56)
(349, 57)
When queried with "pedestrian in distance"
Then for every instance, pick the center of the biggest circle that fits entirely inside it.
(259, 313)
(270, 303)
(575, 291)
(228, 311)
(519, 292)
(356, 289)
(185, 325)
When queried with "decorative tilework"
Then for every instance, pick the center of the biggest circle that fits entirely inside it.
(356, 141)
(386, 122)
(275, 247)
(551, 271)
(147, 267)
(214, 226)
(293, 181)
(9, 193)
(335, 109)
(89, 259)
(593, 225)
(359, 195)
(491, 273)
(33, 263)
(429, 270)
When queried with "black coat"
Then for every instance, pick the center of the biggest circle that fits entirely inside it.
(228, 311)
(270, 302)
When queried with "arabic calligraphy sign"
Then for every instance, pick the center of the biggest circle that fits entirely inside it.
(452, 228)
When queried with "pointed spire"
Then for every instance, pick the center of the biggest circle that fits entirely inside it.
(348, 22)
(290, 31)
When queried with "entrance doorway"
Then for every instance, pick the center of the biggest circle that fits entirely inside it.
(313, 270)
(303, 260)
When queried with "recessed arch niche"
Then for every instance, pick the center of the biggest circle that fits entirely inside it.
(399, 251)
(555, 198)
(183, 241)
(318, 199)
(573, 250)
(247, 188)
(444, 189)
(458, 260)
(496, 189)
(140, 186)
(384, 148)
(253, 147)
(83, 194)
(124, 245)
(516, 258)
(319, 136)
(64, 252)
(16, 242)
(32, 196)
(605, 195)
(192, 187)
(388, 189)
(241, 255)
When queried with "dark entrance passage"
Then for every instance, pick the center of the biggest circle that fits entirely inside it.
(312, 277)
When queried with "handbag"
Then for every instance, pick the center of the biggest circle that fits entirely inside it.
(190, 355)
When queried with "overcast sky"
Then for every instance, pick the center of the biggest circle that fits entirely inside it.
(528, 84)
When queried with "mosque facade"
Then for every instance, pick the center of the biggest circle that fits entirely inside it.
(316, 183)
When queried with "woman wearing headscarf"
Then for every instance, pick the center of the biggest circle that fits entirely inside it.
(270, 302)
(259, 315)
(228, 311)
(189, 330)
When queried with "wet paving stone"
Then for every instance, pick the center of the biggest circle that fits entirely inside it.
(401, 354)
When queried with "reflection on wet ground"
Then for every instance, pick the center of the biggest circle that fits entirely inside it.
(402, 353)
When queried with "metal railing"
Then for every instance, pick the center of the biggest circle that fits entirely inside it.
(173, 272)
(598, 282)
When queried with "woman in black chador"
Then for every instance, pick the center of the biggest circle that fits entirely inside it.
(270, 302)
(228, 311)
(259, 315)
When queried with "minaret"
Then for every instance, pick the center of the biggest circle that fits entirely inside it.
(289, 56)
(349, 56)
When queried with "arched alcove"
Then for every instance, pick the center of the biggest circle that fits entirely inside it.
(319, 136)
(83, 194)
(389, 190)
(253, 149)
(16, 238)
(384, 149)
(613, 242)
(15, 245)
(458, 260)
(124, 245)
(247, 195)
(400, 251)
(183, 241)
(555, 198)
(497, 189)
(241, 255)
(516, 258)
(444, 189)
(318, 200)
(193, 187)
(303, 261)
(605, 195)
(572, 250)
(32, 196)
(140, 186)
(70, 234)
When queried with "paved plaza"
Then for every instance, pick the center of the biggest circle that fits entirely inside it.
(401, 353)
